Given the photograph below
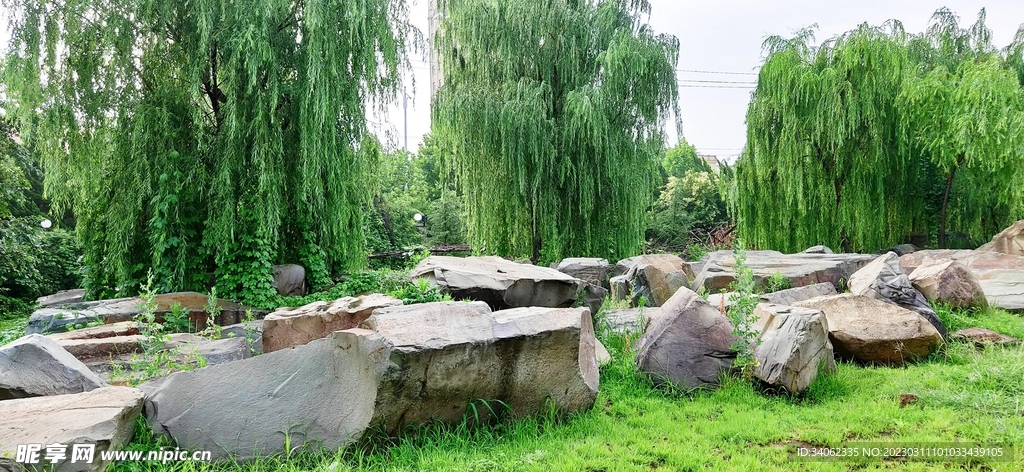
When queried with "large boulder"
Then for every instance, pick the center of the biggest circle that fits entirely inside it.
(656, 277)
(624, 265)
(1009, 241)
(35, 365)
(688, 344)
(949, 282)
(629, 321)
(1001, 276)
(104, 417)
(289, 280)
(592, 270)
(498, 282)
(793, 347)
(718, 268)
(405, 365)
(99, 343)
(873, 331)
(884, 279)
(289, 327)
(56, 320)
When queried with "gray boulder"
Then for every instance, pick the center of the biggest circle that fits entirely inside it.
(793, 347)
(592, 270)
(624, 265)
(63, 297)
(288, 327)
(406, 365)
(982, 337)
(801, 269)
(874, 331)
(35, 365)
(629, 321)
(818, 250)
(656, 277)
(798, 294)
(884, 279)
(1009, 241)
(593, 297)
(289, 280)
(104, 417)
(498, 282)
(689, 344)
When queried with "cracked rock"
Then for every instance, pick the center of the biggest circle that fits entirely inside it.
(35, 365)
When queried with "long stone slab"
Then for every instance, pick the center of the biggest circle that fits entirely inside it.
(406, 365)
(499, 282)
(718, 268)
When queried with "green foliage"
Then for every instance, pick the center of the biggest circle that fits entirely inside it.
(246, 272)
(179, 133)
(776, 282)
(683, 158)
(34, 261)
(741, 313)
(420, 291)
(554, 115)
(878, 134)
(688, 209)
(400, 193)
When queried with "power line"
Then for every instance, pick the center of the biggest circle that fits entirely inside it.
(716, 81)
(714, 72)
(742, 87)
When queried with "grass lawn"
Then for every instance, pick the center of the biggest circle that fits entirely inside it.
(964, 394)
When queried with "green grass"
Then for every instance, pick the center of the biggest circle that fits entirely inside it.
(964, 395)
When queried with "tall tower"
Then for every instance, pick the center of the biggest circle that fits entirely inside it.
(433, 22)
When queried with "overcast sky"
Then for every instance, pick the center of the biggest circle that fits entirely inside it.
(726, 36)
(717, 36)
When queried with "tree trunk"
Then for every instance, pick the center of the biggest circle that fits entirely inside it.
(945, 201)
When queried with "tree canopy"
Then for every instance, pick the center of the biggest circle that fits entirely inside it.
(554, 113)
(193, 135)
(856, 142)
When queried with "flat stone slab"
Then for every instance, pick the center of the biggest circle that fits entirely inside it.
(982, 337)
(104, 417)
(63, 297)
(498, 282)
(1001, 276)
(101, 342)
(800, 269)
(630, 320)
(58, 319)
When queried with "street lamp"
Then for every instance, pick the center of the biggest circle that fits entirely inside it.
(46, 224)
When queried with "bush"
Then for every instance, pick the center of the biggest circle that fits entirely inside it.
(689, 208)
(36, 262)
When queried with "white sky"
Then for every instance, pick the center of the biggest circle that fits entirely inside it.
(720, 36)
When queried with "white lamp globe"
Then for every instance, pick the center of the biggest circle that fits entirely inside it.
(46, 224)
(417, 217)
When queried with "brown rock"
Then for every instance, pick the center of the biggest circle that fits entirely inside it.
(718, 268)
(101, 342)
(1001, 276)
(498, 282)
(289, 327)
(793, 347)
(884, 279)
(873, 331)
(1009, 241)
(982, 337)
(949, 282)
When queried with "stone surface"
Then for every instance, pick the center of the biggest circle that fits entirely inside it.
(656, 277)
(873, 331)
(949, 282)
(602, 354)
(593, 297)
(904, 249)
(1009, 241)
(288, 327)
(1001, 276)
(689, 344)
(101, 342)
(619, 287)
(588, 269)
(289, 280)
(35, 365)
(241, 330)
(818, 250)
(983, 337)
(406, 365)
(793, 347)
(800, 269)
(884, 279)
(63, 297)
(104, 417)
(498, 282)
(722, 300)
(624, 265)
(798, 294)
(56, 320)
(630, 320)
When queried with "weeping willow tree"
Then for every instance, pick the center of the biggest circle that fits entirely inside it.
(820, 164)
(878, 134)
(192, 135)
(554, 111)
(964, 113)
